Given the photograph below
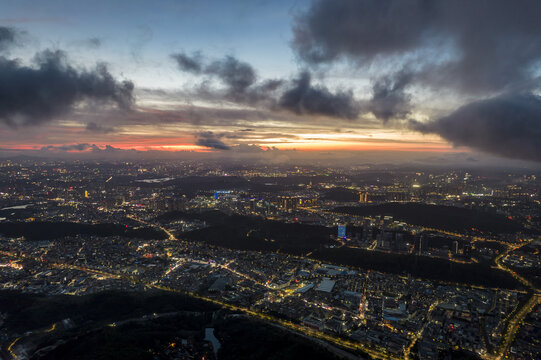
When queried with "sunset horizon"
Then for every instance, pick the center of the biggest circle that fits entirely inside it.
(265, 75)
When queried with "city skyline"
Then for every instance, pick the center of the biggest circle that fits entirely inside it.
(270, 179)
(334, 262)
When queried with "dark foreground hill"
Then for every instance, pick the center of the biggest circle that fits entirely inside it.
(149, 325)
(449, 218)
(419, 266)
(254, 233)
(54, 230)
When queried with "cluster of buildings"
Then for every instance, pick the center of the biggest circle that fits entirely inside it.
(383, 312)
(391, 314)
(527, 344)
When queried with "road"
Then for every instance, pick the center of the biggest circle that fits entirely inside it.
(335, 350)
(512, 326)
(519, 314)
(320, 336)
(169, 234)
(419, 334)
(317, 336)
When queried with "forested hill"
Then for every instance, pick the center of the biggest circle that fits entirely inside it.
(449, 218)
(53, 230)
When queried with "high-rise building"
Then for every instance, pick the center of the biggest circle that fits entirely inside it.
(288, 203)
(175, 204)
(342, 231)
(455, 247)
(363, 197)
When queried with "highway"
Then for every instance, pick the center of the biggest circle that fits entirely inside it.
(169, 234)
(419, 334)
(519, 314)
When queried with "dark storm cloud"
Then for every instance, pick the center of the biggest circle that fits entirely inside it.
(8, 36)
(264, 92)
(81, 147)
(211, 140)
(72, 147)
(98, 128)
(389, 99)
(192, 64)
(236, 75)
(362, 29)
(305, 98)
(110, 148)
(508, 125)
(299, 95)
(487, 45)
(52, 87)
(480, 48)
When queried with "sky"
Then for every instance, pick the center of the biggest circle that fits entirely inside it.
(363, 80)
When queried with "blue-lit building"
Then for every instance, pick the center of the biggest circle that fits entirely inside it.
(218, 193)
(341, 231)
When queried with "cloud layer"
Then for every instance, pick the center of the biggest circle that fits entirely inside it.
(389, 98)
(489, 50)
(482, 57)
(304, 98)
(297, 95)
(482, 45)
(211, 140)
(7, 37)
(51, 87)
(508, 125)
